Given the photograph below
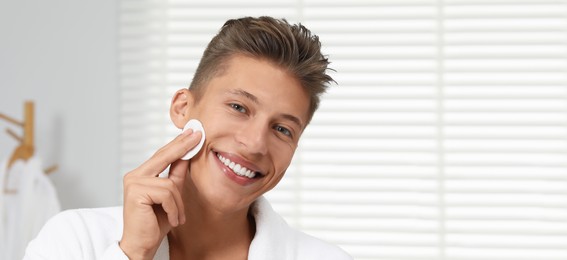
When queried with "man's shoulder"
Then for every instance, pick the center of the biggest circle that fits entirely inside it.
(74, 233)
(276, 239)
(310, 247)
(88, 218)
(106, 211)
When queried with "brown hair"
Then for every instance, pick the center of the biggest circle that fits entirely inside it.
(291, 47)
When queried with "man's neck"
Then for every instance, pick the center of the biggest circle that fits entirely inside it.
(209, 233)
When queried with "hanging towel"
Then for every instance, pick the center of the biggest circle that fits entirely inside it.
(27, 210)
(3, 165)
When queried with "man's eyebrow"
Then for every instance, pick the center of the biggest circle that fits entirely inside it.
(244, 93)
(293, 119)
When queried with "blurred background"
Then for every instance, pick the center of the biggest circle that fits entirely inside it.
(445, 137)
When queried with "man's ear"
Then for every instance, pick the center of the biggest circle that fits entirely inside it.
(181, 103)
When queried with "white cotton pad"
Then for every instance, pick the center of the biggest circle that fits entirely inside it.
(197, 127)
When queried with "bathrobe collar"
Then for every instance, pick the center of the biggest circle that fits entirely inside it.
(274, 239)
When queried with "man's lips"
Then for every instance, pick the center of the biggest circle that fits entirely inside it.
(239, 166)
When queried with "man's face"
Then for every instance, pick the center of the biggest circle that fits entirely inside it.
(253, 115)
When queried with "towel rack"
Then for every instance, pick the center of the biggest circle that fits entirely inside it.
(26, 148)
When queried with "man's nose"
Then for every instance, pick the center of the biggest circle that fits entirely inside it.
(253, 136)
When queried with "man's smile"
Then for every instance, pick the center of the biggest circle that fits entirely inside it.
(237, 168)
(241, 171)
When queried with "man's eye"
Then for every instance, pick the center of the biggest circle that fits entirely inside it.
(283, 130)
(238, 108)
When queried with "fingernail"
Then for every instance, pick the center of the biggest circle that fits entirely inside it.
(188, 131)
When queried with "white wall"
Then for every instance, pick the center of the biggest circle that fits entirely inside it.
(63, 55)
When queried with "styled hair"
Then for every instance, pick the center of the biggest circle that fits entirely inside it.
(291, 47)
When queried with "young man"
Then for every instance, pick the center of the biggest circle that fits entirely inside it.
(255, 90)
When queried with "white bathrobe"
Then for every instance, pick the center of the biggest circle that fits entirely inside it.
(24, 213)
(94, 234)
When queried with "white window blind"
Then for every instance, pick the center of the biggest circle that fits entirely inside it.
(446, 137)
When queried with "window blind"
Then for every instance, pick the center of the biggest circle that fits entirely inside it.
(446, 137)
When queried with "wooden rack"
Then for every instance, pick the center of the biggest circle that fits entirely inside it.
(26, 148)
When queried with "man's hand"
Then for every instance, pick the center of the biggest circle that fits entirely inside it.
(153, 205)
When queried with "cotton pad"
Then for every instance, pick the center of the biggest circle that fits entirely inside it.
(197, 127)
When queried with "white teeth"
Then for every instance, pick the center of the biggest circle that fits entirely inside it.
(237, 168)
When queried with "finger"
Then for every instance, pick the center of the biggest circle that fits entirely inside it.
(169, 153)
(172, 210)
(177, 198)
(177, 173)
(166, 200)
(162, 192)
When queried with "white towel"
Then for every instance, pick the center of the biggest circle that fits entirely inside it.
(27, 210)
(3, 165)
